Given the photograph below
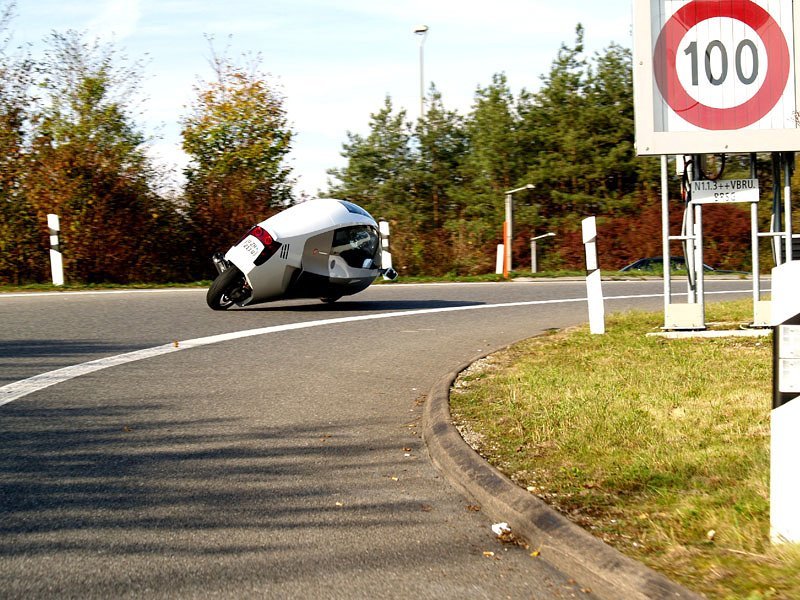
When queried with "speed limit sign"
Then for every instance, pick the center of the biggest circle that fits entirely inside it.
(715, 76)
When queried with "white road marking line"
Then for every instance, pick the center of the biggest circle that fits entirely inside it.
(67, 294)
(19, 389)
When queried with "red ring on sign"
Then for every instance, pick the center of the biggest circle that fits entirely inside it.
(735, 117)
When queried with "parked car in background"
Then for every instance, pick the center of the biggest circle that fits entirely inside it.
(655, 264)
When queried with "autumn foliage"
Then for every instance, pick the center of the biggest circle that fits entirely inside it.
(70, 145)
(237, 138)
(73, 150)
(623, 240)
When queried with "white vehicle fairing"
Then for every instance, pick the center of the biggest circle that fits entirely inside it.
(305, 232)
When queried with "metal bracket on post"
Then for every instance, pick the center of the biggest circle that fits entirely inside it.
(690, 316)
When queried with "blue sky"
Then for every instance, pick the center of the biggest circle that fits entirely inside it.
(334, 60)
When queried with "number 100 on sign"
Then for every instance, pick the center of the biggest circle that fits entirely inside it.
(717, 65)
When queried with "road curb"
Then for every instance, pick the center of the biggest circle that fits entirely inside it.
(591, 562)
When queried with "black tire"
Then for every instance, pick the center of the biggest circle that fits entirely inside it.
(219, 294)
(330, 299)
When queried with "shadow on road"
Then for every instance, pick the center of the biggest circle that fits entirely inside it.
(31, 357)
(55, 347)
(357, 306)
(104, 495)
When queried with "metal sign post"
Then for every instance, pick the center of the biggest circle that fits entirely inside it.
(508, 227)
(534, 253)
(689, 315)
(710, 77)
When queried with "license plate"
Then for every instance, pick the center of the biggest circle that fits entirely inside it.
(252, 246)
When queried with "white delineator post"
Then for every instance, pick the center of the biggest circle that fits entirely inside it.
(386, 256)
(594, 288)
(500, 261)
(785, 417)
(56, 262)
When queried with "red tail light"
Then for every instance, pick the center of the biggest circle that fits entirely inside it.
(262, 234)
(270, 244)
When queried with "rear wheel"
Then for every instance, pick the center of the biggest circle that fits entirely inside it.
(226, 289)
(330, 299)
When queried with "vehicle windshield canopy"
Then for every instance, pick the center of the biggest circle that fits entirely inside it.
(357, 245)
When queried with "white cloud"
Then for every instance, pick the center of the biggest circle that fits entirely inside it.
(118, 19)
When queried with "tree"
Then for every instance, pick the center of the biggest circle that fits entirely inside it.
(442, 146)
(493, 164)
(382, 176)
(554, 123)
(378, 168)
(609, 120)
(21, 238)
(88, 165)
(579, 132)
(237, 137)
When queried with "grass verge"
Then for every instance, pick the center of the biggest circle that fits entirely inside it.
(659, 447)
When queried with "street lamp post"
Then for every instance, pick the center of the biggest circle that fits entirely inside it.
(422, 32)
(534, 263)
(509, 226)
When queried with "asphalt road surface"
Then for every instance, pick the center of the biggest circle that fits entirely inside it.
(280, 459)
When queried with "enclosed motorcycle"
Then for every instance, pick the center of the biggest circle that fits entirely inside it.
(321, 248)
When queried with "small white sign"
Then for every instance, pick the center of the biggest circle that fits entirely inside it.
(789, 341)
(789, 376)
(723, 191)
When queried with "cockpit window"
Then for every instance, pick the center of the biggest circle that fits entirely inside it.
(355, 209)
(356, 245)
